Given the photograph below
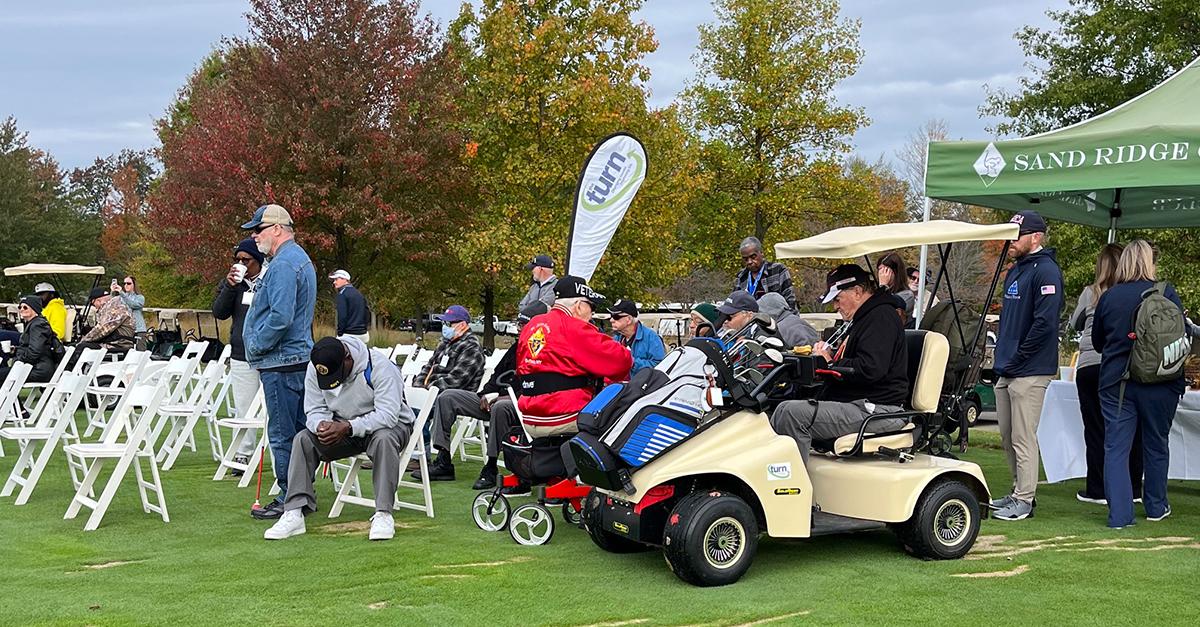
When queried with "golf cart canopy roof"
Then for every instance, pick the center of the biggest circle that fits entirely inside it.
(52, 268)
(855, 241)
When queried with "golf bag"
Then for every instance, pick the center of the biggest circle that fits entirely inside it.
(627, 425)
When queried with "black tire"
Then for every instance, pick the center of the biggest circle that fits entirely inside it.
(572, 516)
(710, 538)
(606, 540)
(970, 410)
(944, 523)
(93, 400)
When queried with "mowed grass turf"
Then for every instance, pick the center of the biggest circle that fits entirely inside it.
(210, 565)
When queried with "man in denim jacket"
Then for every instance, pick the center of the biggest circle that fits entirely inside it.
(277, 335)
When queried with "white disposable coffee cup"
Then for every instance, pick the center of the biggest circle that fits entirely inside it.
(240, 269)
(5, 345)
(1066, 373)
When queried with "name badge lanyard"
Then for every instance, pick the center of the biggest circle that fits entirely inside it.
(752, 282)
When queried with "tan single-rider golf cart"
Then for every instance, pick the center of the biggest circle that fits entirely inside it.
(705, 498)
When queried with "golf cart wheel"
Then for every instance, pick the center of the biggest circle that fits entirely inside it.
(970, 411)
(531, 525)
(490, 511)
(710, 538)
(944, 523)
(102, 401)
(606, 540)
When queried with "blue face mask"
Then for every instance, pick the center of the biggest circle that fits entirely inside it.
(448, 331)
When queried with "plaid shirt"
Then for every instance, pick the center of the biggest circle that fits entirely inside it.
(463, 369)
(114, 325)
(775, 278)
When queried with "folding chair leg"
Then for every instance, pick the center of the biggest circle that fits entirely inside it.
(17, 476)
(106, 497)
(347, 486)
(35, 471)
(84, 487)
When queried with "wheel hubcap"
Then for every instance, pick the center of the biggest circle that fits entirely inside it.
(724, 542)
(491, 512)
(952, 522)
(531, 525)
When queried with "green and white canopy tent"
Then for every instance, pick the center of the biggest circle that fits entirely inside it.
(1135, 166)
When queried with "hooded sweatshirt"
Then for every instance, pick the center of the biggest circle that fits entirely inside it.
(55, 312)
(877, 352)
(369, 406)
(1027, 339)
(794, 330)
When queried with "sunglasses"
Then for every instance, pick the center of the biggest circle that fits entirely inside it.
(616, 317)
(262, 227)
(128, 282)
(243, 258)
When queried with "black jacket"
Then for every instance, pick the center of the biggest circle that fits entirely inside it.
(878, 354)
(37, 349)
(352, 312)
(502, 375)
(228, 304)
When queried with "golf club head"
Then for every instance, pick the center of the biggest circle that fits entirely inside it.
(772, 342)
(750, 374)
(774, 355)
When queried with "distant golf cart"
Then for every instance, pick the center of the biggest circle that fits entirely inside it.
(705, 498)
(77, 314)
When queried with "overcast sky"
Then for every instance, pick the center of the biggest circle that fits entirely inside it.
(87, 78)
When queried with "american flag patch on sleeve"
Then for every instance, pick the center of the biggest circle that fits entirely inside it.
(1048, 289)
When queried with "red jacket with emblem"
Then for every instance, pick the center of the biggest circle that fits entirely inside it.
(560, 343)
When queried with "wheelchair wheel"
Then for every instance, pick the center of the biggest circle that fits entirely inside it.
(490, 511)
(531, 525)
(573, 516)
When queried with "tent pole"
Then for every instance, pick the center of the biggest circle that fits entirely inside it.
(919, 307)
(1113, 214)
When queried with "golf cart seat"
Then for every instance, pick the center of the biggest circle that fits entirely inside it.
(927, 354)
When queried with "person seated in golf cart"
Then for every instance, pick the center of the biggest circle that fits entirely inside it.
(353, 403)
(742, 319)
(872, 360)
(114, 325)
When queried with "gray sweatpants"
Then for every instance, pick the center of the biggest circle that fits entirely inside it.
(383, 447)
(808, 420)
(504, 416)
(451, 404)
(1018, 410)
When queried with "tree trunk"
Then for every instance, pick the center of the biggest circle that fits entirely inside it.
(489, 312)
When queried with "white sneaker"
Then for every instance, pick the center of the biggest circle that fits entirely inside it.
(291, 523)
(383, 527)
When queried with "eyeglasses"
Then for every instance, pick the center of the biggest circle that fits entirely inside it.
(23, 307)
(128, 282)
(243, 258)
(616, 317)
(262, 227)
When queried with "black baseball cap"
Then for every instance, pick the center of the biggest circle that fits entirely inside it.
(739, 300)
(575, 287)
(97, 292)
(844, 277)
(328, 358)
(536, 308)
(1030, 221)
(541, 261)
(624, 307)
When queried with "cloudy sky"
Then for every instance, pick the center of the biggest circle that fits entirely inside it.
(87, 78)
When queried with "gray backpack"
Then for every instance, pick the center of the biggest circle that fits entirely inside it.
(1160, 339)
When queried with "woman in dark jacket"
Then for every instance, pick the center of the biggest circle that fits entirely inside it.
(37, 343)
(1126, 403)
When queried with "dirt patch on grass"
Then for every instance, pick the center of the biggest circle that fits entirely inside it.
(515, 560)
(104, 565)
(358, 527)
(377, 606)
(620, 623)
(447, 576)
(1023, 568)
(993, 546)
(772, 619)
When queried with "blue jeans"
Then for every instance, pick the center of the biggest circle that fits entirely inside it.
(1153, 407)
(284, 396)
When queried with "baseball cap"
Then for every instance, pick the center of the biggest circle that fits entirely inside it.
(844, 277)
(328, 358)
(1030, 221)
(575, 287)
(269, 214)
(340, 274)
(536, 308)
(42, 287)
(455, 313)
(739, 300)
(624, 306)
(540, 261)
(97, 292)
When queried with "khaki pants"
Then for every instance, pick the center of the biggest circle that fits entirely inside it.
(1018, 410)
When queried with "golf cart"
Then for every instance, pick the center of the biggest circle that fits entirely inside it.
(705, 497)
(76, 314)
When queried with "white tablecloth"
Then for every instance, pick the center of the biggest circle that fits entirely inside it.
(1060, 435)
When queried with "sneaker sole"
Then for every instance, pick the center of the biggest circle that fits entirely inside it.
(291, 534)
(1086, 499)
(1158, 518)
(379, 539)
(1017, 517)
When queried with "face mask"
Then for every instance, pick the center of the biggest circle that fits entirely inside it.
(448, 332)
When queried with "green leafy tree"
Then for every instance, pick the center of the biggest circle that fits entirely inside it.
(43, 222)
(1101, 54)
(544, 81)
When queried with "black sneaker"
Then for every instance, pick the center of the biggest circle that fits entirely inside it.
(271, 511)
(486, 480)
(239, 459)
(521, 489)
(438, 471)
(1083, 497)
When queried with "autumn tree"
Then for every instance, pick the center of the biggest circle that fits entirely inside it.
(775, 136)
(43, 222)
(341, 111)
(544, 81)
(116, 188)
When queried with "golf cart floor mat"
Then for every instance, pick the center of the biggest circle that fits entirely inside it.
(824, 523)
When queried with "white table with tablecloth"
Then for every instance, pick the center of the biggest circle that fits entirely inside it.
(1060, 435)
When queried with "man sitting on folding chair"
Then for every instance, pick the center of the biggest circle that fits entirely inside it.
(353, 402)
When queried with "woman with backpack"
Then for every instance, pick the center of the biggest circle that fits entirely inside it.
(1087, 381)
(1141, 379)
(39, 346)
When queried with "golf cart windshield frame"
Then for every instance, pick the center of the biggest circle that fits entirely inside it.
(56, 272)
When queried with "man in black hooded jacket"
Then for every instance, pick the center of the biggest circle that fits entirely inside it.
(873, 356)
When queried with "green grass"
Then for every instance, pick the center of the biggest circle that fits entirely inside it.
(209, 565)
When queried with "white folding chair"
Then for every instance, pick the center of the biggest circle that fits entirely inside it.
(178, 378)
(469, 430)
(412, 366)
(125, 444)
(10, 397)
(222, 403)
(184, 416)
(255, 420)
(349, 491)
(36, 389)
(403, 350)
(105, 391)
(52, 427)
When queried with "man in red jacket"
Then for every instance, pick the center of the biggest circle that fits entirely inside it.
(562, 359)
